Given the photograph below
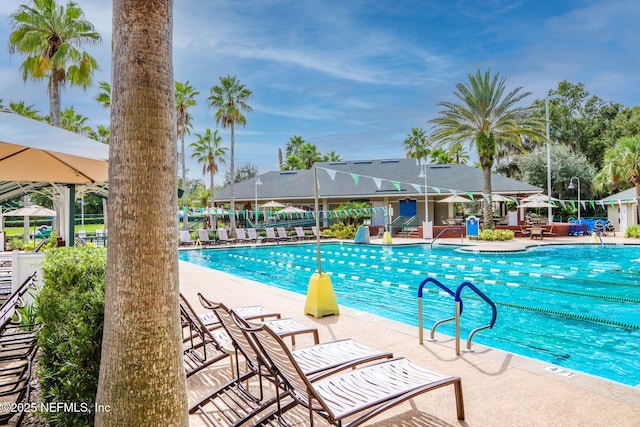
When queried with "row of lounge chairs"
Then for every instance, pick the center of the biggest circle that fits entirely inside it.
(18, 346)
(249, 235)
(344, 382)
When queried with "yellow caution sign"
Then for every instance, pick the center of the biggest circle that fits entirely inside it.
(386, 238)
(321, 301)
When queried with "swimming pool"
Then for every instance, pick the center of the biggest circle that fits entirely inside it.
(573, 306)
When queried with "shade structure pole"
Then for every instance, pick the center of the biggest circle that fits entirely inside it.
(317, 209)
(321, 300)
(72, 215)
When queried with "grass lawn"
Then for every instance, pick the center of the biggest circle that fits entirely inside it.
(17, 231)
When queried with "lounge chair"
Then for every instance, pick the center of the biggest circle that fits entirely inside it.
(253, 235)
(282, 234)
(271, 234)
(364, 392)
(185, 238)
(314, 229)
(322, 357)
(241, 236)
(550, 231)
(202, 345)
(284, 327)
(203, 235)
(524, 231)
(223, 236)
(300, 234)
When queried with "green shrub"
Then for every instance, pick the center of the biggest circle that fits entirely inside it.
(340, 230)
(494, 235)
(632, 232)
(70, 307)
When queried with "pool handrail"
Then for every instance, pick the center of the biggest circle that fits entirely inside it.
(458, 300)
(439, 322)
(444, 231)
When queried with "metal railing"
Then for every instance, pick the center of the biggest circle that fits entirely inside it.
(447, 229)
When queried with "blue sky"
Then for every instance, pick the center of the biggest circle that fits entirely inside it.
(356, 76)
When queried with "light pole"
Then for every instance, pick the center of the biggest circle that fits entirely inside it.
(546, 109)
(258, 182)
(427, 231)
(572, 187)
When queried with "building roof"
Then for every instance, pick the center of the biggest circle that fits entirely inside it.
(364, 179)
(627, 194)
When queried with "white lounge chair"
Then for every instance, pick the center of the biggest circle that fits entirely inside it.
(253, 235)
(223, 236)
(300, 233)
(241, 236)
(363, 393)
(203, 235)
(185, 238)
(282, 234)
(271, 234)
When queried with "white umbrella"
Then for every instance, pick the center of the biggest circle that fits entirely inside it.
(536, 204)
(499, 198)
(273, 204)
(455, 199)
(292, 210)
(31, 210)
(539, 198)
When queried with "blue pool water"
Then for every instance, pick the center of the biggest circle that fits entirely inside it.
(573, 306)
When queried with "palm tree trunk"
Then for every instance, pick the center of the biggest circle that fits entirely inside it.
(185, 217)
(214, 222)
(232, 172)
(54, 100)
(486, 189)
(142, 377)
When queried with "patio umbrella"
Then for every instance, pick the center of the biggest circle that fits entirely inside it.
(272, 204)
(500, 198)
(455, 199)
(539, 198)
(292, 210)
(31, 210)
(35, 151)
(536, 204)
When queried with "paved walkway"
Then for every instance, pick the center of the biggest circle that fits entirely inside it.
(500, 389)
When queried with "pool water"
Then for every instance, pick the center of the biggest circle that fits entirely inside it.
(572, 306)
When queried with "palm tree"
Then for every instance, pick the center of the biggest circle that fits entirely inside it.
(25, 110)
(331, 156)
(485, 116)
(230, 100)
(104, 97)
(621, 167)
(49, 36)
(207, 150)
(294, 144)
(101, 133)
(292, 163)
(416, 145)
(75, 122)
(185, 99)
(459, 153)
(141, 368)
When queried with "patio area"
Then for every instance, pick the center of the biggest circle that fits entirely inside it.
(499, 388)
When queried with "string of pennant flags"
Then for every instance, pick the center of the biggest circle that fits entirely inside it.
(341, 213)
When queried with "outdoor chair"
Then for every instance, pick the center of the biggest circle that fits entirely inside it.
(203, 236)
(322, 357)
(314, 229)
(252, 312)
(202, 345)
(282, 234)
(253, 235)
(524, 231)
(223, 236)
(271, 235)
(185, 238)
(241, 236)
(549, 232)
(300, 233)
(364, 392)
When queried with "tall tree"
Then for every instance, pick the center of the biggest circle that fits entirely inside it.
(50, 35)
(485, 116)
(104, 97)
(416, 145)
(244, 172)
(185, 99)
(75, 122)
(294, 144)
(207, 150)
(142, 375)
(621, 166)
(230, 99)
(331, 156)
(25, 110)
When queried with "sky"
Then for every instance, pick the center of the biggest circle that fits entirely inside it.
(356, 76)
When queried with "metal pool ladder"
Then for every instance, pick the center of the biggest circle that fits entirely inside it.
(458, 311)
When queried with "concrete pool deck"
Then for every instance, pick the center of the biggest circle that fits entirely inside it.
(500, 389)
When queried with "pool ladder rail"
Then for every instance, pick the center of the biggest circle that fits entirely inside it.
(444, 231)
(458, 312)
